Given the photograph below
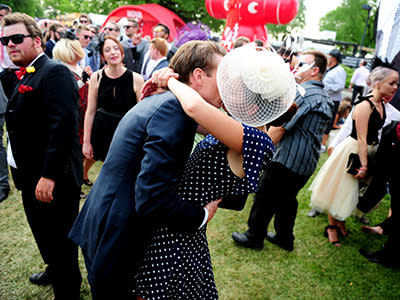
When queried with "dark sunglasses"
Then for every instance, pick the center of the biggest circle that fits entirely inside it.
(306, 64)
(87, 37)
(3, 6)
(127, 26)
(15, 38)
(109, 29)
(83, 21)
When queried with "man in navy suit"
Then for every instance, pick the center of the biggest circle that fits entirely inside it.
(41, 123)
(158, 50)
(136, 187)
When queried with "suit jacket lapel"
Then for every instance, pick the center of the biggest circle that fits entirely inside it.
(27, 77)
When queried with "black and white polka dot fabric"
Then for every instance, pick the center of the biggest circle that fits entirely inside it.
(178, 265)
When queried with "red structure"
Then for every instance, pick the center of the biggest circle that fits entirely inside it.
(148, 15)
(250, 16)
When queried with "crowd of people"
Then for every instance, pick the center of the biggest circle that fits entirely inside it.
(73, 97)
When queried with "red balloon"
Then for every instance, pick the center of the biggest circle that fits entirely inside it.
(254, 14)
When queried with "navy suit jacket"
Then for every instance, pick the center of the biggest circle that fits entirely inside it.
(136, 188)
(49, 48)
(162, 64)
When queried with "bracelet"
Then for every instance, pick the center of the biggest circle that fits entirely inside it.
(361, 170)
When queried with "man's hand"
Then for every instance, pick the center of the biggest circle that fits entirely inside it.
(44, 189)
(212, 208)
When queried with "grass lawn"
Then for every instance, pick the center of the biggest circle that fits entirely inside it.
(314, 270)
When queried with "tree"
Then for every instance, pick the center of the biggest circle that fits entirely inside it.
(32, 8)
(188, 10)
(348, 21)
(297, 23)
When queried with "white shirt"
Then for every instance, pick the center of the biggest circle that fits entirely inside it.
(334, 82)
(360, 76)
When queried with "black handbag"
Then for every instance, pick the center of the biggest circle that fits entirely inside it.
(233, 202)
(353, 164)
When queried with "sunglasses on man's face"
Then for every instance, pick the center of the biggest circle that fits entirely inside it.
(83, 21)
(15, 38)
(109, 29)
(127, 26)
(3, 6)
(87, 37)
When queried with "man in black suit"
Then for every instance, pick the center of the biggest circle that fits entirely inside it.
(387, 170)
(41, 122)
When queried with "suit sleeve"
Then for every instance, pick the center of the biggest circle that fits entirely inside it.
(166, 149)
(60, 102)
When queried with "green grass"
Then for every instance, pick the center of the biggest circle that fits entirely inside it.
(314, 270)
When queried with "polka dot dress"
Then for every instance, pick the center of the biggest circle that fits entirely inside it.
(178, 265)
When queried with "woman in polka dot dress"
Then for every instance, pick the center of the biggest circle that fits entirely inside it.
(177, 265)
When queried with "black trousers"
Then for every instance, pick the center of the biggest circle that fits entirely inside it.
(50, 224)
(276, 195)
(357, 90)
(390, 248)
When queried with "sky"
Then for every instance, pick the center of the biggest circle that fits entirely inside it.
(315, 9)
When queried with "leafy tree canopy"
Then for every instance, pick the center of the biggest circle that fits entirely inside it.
(348, 21)
(32, 8)
(188, 10)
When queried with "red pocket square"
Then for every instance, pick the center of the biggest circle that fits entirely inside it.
(24, 88)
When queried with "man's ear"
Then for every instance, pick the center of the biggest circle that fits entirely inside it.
(38, 42)
(198, 75)
(314, 71)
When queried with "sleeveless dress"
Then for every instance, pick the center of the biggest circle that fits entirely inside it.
(116, 96)
(335, 191)
(83, 94)
(177, 265)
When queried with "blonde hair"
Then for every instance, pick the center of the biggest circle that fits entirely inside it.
(81, 27)
(378, 74)
(68, 51)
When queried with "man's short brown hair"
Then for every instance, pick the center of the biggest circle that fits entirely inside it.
(320, 60)
(195, 54)
(30, 24)
(161, 45)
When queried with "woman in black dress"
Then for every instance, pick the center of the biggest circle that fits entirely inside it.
(113, 91)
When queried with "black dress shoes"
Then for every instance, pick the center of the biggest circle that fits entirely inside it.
(379, 258)
(40, 278)
(244, 240)
(271, 237)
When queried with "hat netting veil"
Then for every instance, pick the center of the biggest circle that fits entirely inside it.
(256, 86)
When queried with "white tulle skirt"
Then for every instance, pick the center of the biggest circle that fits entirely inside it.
(335, 191)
